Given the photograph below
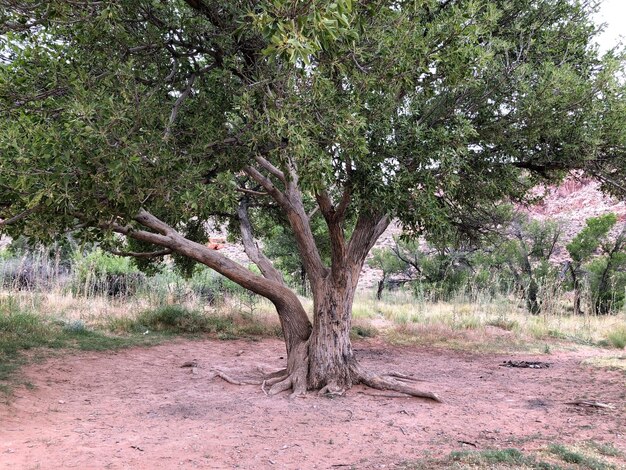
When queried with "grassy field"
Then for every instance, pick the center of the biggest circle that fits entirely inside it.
(46, 321)
(490, 324)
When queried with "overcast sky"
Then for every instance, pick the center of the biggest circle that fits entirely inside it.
(613, 13)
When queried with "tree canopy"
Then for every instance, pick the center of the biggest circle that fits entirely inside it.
(147, 118)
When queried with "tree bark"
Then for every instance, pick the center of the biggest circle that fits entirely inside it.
(331, 359)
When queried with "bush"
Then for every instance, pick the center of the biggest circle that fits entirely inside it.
(617, 337)
(99, 272)
(173, 318)
(27, 272)
(207, 285)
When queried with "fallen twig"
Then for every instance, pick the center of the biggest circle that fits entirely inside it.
(593, 404)
(468, 443)
(526, 364)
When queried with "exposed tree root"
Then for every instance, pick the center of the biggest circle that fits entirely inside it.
(278, 373)
(227, 378)
(391, 382)
(281, 386)
(295, 378)
(276, 379)
(332, 390)
(402, 377)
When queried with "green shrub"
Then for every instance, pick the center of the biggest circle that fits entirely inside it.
(173, 318)
(99, 272)
(617, 337)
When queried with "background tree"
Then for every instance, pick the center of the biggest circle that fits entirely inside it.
(599, 259)
(527, 253)
(440, 269)
(142, 118)
(391, 264)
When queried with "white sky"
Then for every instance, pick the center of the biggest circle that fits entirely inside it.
(613, 13)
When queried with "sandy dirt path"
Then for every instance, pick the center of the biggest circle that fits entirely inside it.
(138, 409)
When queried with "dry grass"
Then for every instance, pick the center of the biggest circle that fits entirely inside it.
(610, 362)
(488, 324)
(482, 322)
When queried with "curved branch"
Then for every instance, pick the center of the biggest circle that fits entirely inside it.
(252, 248)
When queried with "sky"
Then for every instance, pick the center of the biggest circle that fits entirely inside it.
(613, 13)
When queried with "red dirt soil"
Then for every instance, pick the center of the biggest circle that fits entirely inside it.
(138, 409)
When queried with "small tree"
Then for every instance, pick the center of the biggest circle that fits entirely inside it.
(601, 260)
(527, 254)
(390, 264)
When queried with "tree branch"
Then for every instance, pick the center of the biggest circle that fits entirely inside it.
(251, 192)
(251, 247)
(138, 254)
(183, 96)
(335, 231)
(264, 181)
(368, 228)
(18, 217)
(265, 164)
(291, 202)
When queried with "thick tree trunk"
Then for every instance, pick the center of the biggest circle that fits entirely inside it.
(331, 359)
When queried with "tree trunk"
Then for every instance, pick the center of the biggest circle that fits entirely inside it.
(331, 359)
(532, 302)
(577, 289)
(381, 287)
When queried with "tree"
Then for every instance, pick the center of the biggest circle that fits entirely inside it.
(145, 118)
(527, 252)
(388, 261)
(597, 258)
(440, 269)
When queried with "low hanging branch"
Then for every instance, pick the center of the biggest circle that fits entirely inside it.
(16, 218)
(141, 254)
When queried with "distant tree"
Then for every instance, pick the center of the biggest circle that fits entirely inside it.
(527, 253)
(601, 260)
(146, 118)
(392, 263)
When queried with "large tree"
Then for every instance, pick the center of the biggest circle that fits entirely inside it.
(146, 118)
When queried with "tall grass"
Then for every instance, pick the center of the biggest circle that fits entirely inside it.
(487, 320)
(41, 285)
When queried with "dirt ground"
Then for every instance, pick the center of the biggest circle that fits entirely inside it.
(138, 409)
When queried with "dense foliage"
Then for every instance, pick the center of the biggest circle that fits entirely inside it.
(108, 107)
(519, 260)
